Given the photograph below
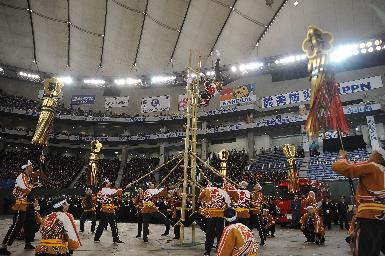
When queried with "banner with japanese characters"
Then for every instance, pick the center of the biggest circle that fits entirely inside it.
(242, 94)
(372, 132)
(155, 104)
(348, 87)
(116, 102)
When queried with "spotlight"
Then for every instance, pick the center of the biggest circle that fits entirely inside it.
(378, 48)
(362, 45)
(295, 3)
(377, 42)
(234, 68)
(1, 69)
(370, 49)
(276, 62)
(363, 50)
(162, 79)
(94, 81)
(368, 44)
(65, 79)
(242, 68)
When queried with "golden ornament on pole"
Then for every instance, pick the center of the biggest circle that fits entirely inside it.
(96, 146)
(292, 172)
(52, 90)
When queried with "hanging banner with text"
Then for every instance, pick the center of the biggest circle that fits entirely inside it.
(116, 102)
(155, 104)
(82, 99)
(372, 132)
(242, 94)
(361, 85)
(182, 102)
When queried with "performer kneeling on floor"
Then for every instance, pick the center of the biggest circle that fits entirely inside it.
(237, 238)
(58, 232)
(23, 187)
(107, 212)
(370, 196)
(311, 226)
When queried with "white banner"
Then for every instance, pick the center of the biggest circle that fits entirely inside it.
(360, 85)
(155, 104)
(116, 102)
(372, 132)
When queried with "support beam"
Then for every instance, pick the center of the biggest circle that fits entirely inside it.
(223, 26)
(180, 30)
(33, 32)
(104, 35)
(69, 34)
(267, 27)
(141, 33)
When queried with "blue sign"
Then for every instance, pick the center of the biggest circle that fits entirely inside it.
(82, 99)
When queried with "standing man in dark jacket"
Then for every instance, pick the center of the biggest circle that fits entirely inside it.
(343, 213)
(326, 213)
(295, 207)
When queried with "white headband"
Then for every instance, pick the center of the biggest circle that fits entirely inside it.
(232, 219)
(380, 151)
(57, 205)
(26, 165)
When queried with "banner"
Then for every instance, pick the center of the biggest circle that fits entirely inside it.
(155, 104)
(372, 132)
(355, 86)
(182, 102)
(82, 99)
(242, 94)
(116, 102)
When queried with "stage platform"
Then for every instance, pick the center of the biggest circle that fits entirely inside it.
(287, 242)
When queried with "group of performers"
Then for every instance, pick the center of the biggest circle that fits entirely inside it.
(225, 212)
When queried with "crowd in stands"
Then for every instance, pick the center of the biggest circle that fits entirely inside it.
(59, 170)
(136, 167)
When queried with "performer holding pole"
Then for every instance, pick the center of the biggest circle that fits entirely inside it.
(107, 212)
(23, 187)
(216, 200)
(243, 204)
(370, 229)
(138, 203)
(150, 211)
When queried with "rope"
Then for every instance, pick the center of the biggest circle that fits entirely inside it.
(172, 170)
(156, 169)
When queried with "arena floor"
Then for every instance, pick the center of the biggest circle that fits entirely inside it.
(286, 242)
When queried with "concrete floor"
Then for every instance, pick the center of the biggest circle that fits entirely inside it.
(287, 242)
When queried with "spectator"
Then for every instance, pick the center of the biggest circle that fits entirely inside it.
(343, 212)
(295, 207)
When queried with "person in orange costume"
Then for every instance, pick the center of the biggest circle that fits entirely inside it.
(311, 226)
(237, 239)
(58, 232)
(370, 195)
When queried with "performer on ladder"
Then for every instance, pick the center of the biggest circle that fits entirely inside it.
(150, 211)
(257, 200)
(216, 200)
(138, 203)
(237, 238)
(370, 196)
(243, 204)
(23, 187)
(89, 210)
(107, 212)
(58, 232)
